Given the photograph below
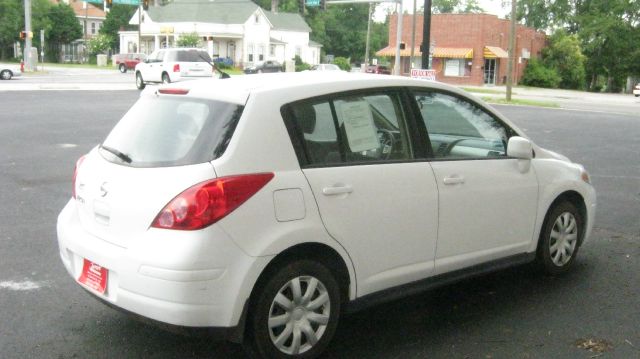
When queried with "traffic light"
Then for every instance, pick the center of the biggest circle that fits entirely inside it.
(23, 35)
(145, 4)
(108, 4)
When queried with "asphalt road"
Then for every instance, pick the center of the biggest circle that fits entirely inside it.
(515, 313)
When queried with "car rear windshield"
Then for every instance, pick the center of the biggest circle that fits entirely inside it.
(171, 131)
(189, 56)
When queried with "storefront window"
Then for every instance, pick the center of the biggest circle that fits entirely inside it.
(457, 67)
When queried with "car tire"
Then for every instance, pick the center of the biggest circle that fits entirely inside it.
(636, 95)
(560, 238)
(122, 68)
(140, 81)
(6, 75)
(280, 324)
(165, 78)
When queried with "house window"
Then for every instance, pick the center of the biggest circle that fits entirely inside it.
(298, 51)
(272, 50)
(250, 52)
(261, 53)
(457, 67)
(93, 28)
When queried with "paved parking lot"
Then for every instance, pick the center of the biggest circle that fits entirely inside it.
(515, 313)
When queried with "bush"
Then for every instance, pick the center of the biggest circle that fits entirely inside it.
(189, 40)
(536, 74)
(342, 63)
(300, 65)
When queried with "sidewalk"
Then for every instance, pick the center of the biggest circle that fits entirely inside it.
(567, 99)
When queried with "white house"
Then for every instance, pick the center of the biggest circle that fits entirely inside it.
(236, 29)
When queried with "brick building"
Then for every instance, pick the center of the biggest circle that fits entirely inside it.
(470, 49)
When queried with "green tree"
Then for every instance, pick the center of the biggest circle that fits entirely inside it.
(538, 75)
(10, 26)
(564, 54)
(64, 28)
(189, 40)
(99, 44)
(117, 19)
(455, 6)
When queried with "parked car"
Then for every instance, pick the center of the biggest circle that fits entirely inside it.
(636, 90)
(378, 69)
(325, 67)
(8, 71)
(265, 66)
(128, 61)
(262, 207)
(173, 65)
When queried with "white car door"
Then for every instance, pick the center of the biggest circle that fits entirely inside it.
(374, 199)
(488, 201)
(155, 67)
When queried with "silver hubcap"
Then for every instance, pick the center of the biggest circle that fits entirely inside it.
(5, 75)
(564, 237)
(139, 80)
(299, 315)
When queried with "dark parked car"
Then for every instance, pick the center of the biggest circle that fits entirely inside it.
(126, 62)
(266, 66)
(378, 69)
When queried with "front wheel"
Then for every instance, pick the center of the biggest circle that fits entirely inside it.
(560, 239)
(295, 312)
(122, 68)
(139, 81)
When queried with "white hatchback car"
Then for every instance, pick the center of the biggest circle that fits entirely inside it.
(262, 207)
(173, 65)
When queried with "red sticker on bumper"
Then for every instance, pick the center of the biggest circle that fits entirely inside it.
(94, 276)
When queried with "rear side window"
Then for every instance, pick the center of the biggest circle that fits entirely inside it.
(169, 131)
(189, 56)
(358, 128)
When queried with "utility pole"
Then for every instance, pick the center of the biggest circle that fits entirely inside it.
(512, 50)
(366, 51)
(426, 34)
(398, 64)
(413, 33)
(139, 50)
(86, 24)
(28, 61)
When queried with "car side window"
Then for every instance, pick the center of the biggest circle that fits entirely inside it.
(352, 129)
(459, 129)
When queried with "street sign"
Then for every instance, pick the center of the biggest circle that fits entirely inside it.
(95, 1)
(312, 3)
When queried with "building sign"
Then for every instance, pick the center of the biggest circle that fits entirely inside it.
(429, 75)
(311, 3)
(127, 2)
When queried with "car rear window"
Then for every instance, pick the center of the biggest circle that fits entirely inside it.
(189, 56)
(170, 131)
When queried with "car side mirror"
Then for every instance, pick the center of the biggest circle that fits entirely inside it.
(520, 147)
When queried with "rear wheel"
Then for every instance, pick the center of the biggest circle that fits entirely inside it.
(6, 75)
(165, 78)
(139, 81)
(560, 238)
(122, 68)
(295, 312)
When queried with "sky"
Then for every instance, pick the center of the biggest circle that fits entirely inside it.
(490, 7)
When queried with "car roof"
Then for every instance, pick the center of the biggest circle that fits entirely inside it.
(295, 85)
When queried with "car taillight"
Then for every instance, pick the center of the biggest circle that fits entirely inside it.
(75, 175)
(207, 202)
(176, 68)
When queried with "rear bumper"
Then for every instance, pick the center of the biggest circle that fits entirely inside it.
(179, 278)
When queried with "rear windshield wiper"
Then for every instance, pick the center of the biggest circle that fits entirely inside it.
(223, 75)
(117, 153)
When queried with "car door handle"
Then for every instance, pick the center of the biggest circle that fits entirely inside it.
(453, 179)
(336, 190)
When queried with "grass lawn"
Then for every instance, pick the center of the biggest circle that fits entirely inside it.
(482, 90)
(521, 102)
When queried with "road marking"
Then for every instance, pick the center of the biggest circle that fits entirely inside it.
(22, 286)
(66, 145)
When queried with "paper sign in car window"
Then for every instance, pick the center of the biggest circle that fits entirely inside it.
(359, 126)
